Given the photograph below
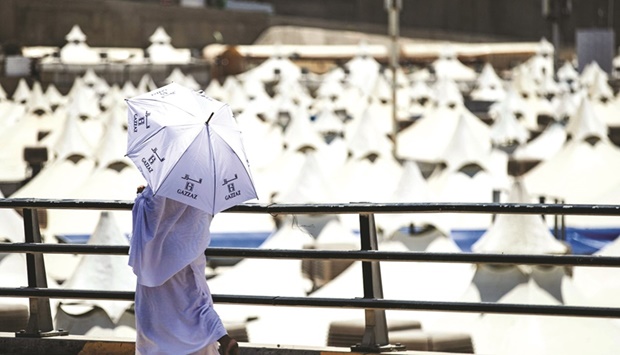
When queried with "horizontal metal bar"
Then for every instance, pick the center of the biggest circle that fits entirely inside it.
(65, 204)
(37, 292)
(361, 255)
(385, 304)
(49, 248)
(365, 303)
(343, 208)
(503, 208)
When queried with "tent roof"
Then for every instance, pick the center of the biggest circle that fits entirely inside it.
(519, 234)
(587, 165)
(160, 36)
(75, 35)
(104, 272)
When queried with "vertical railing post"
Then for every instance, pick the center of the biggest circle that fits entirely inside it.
(375, 337)
(563, 223)
(40, 323)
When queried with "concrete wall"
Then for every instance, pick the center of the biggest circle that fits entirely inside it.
(130, 23)
(502, 19)
(123, 24)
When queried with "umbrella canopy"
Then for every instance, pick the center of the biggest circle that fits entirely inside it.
(188, 147)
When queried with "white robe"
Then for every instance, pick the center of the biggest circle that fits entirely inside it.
(173, 305)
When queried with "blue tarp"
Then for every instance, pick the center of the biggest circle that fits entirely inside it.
(583, 241)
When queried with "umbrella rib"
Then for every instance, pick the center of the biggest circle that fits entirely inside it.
(213, 164)
(143, 141)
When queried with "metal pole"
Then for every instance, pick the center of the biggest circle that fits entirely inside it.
(40, 322)
(555, 33)
(375, 337)
(393, 8)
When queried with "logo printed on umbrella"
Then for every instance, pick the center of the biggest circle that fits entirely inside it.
(231, 188)
(139, 121)
(163, 93)
(148, 163)
(189, 187)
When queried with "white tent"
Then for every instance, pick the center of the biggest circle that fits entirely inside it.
(161, 50)
(427, 138)
(10, 113)
(22, 92)
(237, 97)
(507, 130)
(263, 141)
(600, 285)
(567, 72)
(367, 134)
(368, 178)
(363, 71)
(215, 90)
(543, 147)
(566, 104)
(72, 140)
(146, 83)
(330, 87)
(76, 51)
(117, 181)
(177, 76)
(255, 276)
(590, 167)
(332, 155)
(446, 92)
(448, 65)
(510, 334)
(300, 133)
(464, 146)
(273, 69)
(58, 179)
(458, 186)
(327, 122)
(37, 101)
(54, 97)
(309, 185)
(129, 90)
(310, 326)
(488, 86)
(519, 234)
(411, 188)
(274, 177)
(14, 139)
(585, 123)
(98, 272)
(421, 99)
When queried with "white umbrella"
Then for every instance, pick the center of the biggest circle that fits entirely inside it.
(188, 147)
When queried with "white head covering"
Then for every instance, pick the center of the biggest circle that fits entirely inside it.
(167, 236)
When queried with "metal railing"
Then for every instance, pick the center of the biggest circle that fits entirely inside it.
(375, 337)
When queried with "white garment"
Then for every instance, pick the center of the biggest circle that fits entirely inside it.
(173, 305)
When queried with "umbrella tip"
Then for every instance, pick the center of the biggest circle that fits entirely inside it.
(209, 119)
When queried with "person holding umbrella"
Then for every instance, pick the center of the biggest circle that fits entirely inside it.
(189, 149)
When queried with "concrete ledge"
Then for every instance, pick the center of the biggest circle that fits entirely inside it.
(75, 344)
(71, 344)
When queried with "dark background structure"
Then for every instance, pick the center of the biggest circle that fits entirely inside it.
(124, 23)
